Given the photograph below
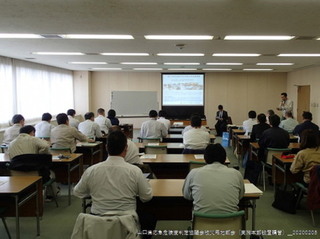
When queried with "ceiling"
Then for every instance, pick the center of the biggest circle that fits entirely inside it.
(300, 18)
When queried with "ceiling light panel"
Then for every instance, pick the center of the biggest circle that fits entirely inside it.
(59, 53)
(263, 38)
(106, 69)
(147, 69)
(96, 36)
(138, 63)
(20, 36)
(300, 55)
(87, 63)
(216, 69)
(178, 37)
(236, 54)
(224, 63)
(182, 63)
(180, 54)
(123, 54)
(248, 69)
(182, 69)
(275, 64)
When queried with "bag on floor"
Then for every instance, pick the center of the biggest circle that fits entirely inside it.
(285, 198)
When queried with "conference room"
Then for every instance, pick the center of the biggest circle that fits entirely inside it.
(81, 55)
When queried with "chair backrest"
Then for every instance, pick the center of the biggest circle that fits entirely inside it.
(228, 221)
(4, 148)
(149, 140)
(229, 120)
(155, 149)
(271, 151)
(196, 164)
(28, 164)
(60, 150)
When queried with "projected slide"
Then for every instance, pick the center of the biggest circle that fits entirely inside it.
(182, 89)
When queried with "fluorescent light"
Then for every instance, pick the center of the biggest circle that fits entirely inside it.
(138, 63)
(58, 53)
(301, 55)
(147, 69)
(275, 64)
(257, 69)
(182, 63)
(123, 54)
(180, 54)
(178, 37)
(87, 63)
(216, 69)
(95, 36)
(182, 69)
(20, 36)
(236, 54)
(224, 64)
(107, 69)
(275, 38)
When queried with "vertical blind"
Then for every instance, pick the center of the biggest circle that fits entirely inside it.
(32, 89)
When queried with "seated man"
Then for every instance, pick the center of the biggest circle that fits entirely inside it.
(222, 118)
(65, 136)
(306, 124)
(195, 140)
(12, 132)
(114, 184)
(153, 128)
(289, 123)
(73, 122)
(103, 121)
(259, 128)
(162, 119)
(90, 128)
(26, 143)
(248, 124)
(112, 117)
(43, 128)
(214, 188)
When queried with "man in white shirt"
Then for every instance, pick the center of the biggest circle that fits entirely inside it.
(103, 121)
(247, 124)
(65, 136)
(195, 139)
(285, 105)
(90, 128)
(26, 143)
(214, 188)
(289, 123)
(43, 128)
(73, 122)
(12, 132)
(153, 128)
(162, 119)
(114, 184)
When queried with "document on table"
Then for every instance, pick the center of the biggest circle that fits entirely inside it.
(250, 188)
(199, 156)
(153, 144)
(2, 182)
(149, 156)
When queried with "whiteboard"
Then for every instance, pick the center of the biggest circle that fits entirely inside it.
(134, 103)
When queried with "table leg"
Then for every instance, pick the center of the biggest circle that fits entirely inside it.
(253, 215)
(69, 185)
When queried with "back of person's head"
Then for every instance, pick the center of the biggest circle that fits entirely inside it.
(274, 120)
(88, 115)
(284, 94)
(162, 113)
(252, 114)
(114, 128)
(309, 139)
(153, 114)
(62, 118)
(16, 119)
(46, 117)
(215, 153)
(307, 115)
(195, 121)
(100, 111)
(270, 112)
(111, 113)
(27, 129)
(71, 112)
(220, 107)
(116, 143)
(289, 114)
(262, 118)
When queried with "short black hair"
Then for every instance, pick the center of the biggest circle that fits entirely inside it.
(220, 107)
(284, 94)
(310, 139)
(116, 142)
(46, 117)
(289, 114)
(195, 121)
(270, 112)
(162, 113)
(307, 115)
(262, 118)
(215, 153)
(71, 112)
(27, 129)
(274, 120)
(153, 114)
(17, 118)
(252, 114)
(100, 111)
(88, 115)
(62, 118)
(111, 113)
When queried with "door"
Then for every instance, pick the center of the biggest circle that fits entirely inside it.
(303, 101)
